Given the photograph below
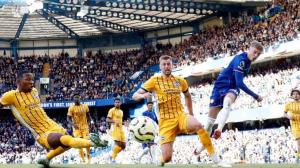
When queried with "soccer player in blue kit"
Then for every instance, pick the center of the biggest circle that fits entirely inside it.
(227, 88)
(148, 147)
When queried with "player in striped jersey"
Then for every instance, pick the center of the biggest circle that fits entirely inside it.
(24, 102)
(167, 89)
(293, 108)
(77, 117)
(114, 117)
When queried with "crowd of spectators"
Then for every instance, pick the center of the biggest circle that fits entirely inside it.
(101, 75)
(94, 77)
(223, 41)
(10, 66)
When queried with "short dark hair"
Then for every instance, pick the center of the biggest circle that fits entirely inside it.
(117, 99)
(294, 90)
(76, 94)
(21, 73)
(149, 103)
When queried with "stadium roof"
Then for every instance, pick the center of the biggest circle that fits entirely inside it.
(79, 18)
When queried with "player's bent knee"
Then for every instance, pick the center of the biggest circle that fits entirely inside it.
(54, 140)
(123, 146)
(198, 126)
(194, 124)
(231, 96)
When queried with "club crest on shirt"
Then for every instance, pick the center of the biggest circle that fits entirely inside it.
(35, 96)
(163, 138)
(82, 109)
(242, 65)
(177, 84)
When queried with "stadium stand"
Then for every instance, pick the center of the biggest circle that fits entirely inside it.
(10, 67)
(205, 45)
(235, 38)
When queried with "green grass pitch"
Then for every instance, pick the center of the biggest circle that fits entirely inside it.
(150, 166)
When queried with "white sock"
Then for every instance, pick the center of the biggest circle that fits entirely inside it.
(214, 158)
(224, 113)
(152, 153)
(209, 124)
(145, 151)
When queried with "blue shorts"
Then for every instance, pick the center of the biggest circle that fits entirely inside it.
(218, 95)
(145, 144)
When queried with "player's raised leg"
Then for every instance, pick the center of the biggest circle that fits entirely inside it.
(61, 143)
(224, 113)
(45, 161)
(220, 110)
(212, 115)
(210, 121)
(193, 125)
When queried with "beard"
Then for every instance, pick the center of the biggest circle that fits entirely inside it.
(167, 73)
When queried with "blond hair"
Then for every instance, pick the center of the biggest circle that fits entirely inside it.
(257, 45)
(164, 57)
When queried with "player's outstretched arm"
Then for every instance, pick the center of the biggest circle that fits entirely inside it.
(141, 94)
(240, 84)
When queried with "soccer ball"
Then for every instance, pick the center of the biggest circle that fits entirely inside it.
(143, 129)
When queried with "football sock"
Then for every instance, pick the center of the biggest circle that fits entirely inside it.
(81, 155)
(117, 149)
(56, 152)
(152, 153)
(209, 124)
(224, 113)
(88, 154)
(214, 158)
(145, 151)
(162, 160)
(67, 140)
(206, 141)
